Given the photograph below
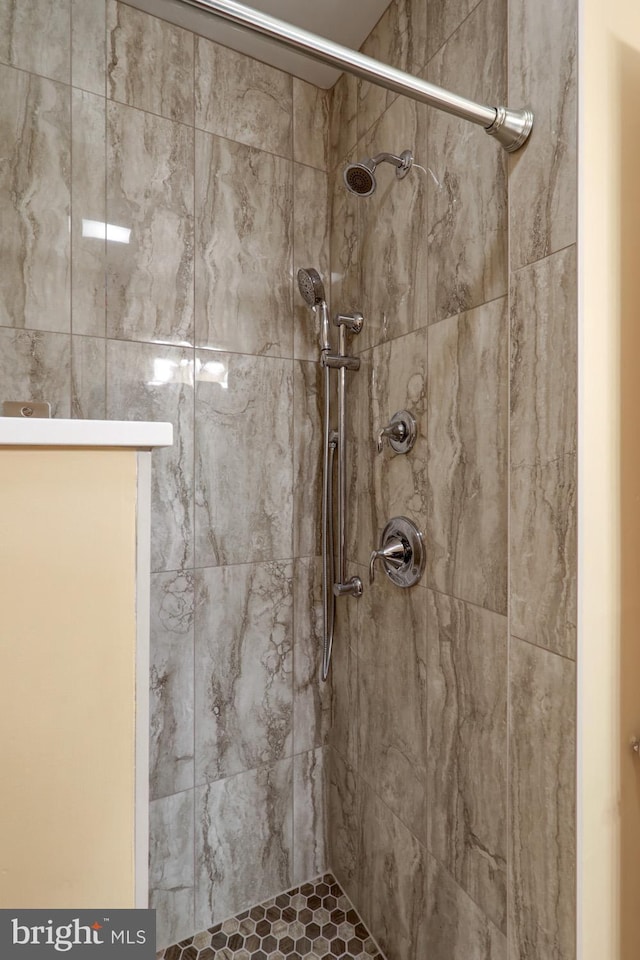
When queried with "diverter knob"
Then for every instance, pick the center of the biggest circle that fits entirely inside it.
(401, 432)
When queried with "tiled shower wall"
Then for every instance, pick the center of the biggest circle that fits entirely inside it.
(452, 757)
(217, 165)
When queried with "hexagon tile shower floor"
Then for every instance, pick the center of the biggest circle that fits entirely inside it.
(313, 922)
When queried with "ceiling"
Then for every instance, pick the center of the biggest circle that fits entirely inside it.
(347, 23)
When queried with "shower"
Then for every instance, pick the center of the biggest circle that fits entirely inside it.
(359, 177)
(334, 583)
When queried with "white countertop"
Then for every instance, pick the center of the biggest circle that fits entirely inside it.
(21, 431)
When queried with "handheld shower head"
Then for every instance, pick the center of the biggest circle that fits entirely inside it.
(359, 178)
(311, 287)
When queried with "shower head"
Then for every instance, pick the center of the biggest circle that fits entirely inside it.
(311, 287)
(359, 177)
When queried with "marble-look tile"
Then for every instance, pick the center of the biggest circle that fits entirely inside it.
(544, 365)
(345, 238)
(543, 175)
(244, 439)
(171, 686)
(543, 447)
(543, 553)
(241, 99)
(392, 485)
(467, 462)
(311, 107)
(467, 749)
(455, 927)
(153, 382)
(362, 511)
(150, 192)
(243, 840)
(309, 828)
(36, 366)
(467, 258)
(400, 40)
(343, 118)
(244, 667)
(443, 18)
(244, 204)
(311, 695)
(392, 884)
(88, 45)
(171, 857)
(343, 735)
(393, 230)
(542, 762)
(150, 63)
(88, 378)
(34, 36)
(311, 248)
(34, 200)
(88, 208)
(344, 798)
(392, 657)
(308, 433)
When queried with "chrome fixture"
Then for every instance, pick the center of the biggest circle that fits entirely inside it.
(511, 128)
(401, 551)
(401, 432)
(334, 582)
(31, 408)
(353, 324)
(312, 289)
(359, 177)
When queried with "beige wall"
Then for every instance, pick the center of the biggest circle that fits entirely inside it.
(67, 666)
(610, 469)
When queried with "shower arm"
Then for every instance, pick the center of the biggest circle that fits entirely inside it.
(510, 128)
(379, 158)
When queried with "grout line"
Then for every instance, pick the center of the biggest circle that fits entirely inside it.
(427, 721)
(539, 646)
(193, 486)
(469, 603)
(33, 73)
(449, 36)
(199, 784)
(294, 504)
(463, 889)
(508, 758)
(241, 563)
(547, 256)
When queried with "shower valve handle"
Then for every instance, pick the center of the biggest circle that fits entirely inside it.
(394, 554)
(401, 551)
(395, 431)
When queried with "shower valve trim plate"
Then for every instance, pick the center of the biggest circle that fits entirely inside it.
(401, 551)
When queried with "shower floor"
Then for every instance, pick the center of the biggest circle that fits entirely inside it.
(316, 921)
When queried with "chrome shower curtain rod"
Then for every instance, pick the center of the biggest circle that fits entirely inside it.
(510, 127)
